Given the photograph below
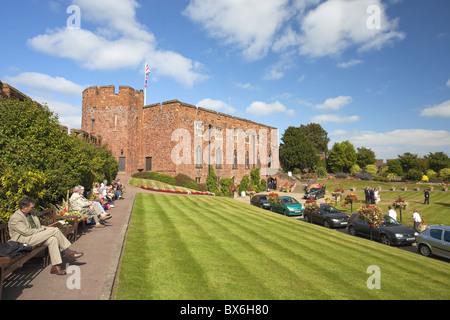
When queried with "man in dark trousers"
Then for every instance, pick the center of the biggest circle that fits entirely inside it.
(427, 197)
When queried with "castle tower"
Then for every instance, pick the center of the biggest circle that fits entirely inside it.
(117, 118)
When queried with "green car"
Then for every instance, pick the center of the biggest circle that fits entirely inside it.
(288, 206)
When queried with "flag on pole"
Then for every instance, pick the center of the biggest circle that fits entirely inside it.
(147, 71)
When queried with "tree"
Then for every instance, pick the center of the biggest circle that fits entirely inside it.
(438, 161)
(317, 135)
(407, 161)
(211, 181)
(297, 151)
(40, 160)
(365, 156)
(341, 157)
(395, 167)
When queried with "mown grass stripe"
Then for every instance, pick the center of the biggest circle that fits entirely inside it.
(232, 250)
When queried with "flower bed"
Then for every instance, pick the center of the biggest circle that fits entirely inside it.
(206, 193)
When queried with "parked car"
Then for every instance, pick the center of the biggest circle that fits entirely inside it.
(260, 200)
(435, 240)
(288, 206)
(315, 191)
(328, 216)
(390, 232)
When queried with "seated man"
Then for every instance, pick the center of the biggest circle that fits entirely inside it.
(79, 203)
(25, 227)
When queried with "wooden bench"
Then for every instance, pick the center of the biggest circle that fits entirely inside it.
(47, 217)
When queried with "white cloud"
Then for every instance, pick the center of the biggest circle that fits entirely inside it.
(441, 110)
(448, 83)
(40, 81)
(335, 103)
(259, 108)
(120, 41)
(336, 25)
(325, 118)
(348, 64)
(388, 145)
(217, 105)
(249, 24)
(311, 27)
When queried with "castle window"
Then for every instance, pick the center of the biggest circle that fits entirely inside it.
(115, 121)
(198, 129)
(218, 134)
(93, 125)
(247, 138)
(218, 158)
(198, 161)
(235, 160)
(247, 160)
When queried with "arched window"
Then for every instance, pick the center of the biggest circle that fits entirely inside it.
(235, 160)
(218, 158)
(198, 157)
(247, 160)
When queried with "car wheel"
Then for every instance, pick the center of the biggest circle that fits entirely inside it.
(425, 250)
(306, 218)
(284, 212)
(352, 230)
(326, 224)
(385, 240)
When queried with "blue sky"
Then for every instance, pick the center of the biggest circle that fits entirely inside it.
(375, 72)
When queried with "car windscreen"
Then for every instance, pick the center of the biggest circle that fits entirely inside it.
(389, 221)
(289, 200)
(330, 209)
(262, 197)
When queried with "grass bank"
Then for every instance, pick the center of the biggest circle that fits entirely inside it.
(192, 247)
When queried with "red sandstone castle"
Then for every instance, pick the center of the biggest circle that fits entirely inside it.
(174, 137)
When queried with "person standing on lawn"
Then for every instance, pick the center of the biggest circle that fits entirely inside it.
(416, 219)
(426, 193)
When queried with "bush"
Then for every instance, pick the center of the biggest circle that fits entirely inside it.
(243, 186)
(431, 174)
(413, 175)
(225, 184)
(341, 175)
(355, 169)
(371, 169)
(364, 176)
(444, 174)
(211, 182)
(321, 172)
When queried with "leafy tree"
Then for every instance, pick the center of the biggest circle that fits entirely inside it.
(243, 186)
(211, 181)
(372, 169)
(438, 161)
(407, 161)
(317, 135)
(341, 157)
(413, 175)
(297, 151)
(365, 156)
(40, 160)
(395, 167)
(444, 174)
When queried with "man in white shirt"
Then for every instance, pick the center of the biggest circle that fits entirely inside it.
(392, 213)
(416, 219)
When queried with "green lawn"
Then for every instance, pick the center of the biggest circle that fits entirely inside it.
(193, 247)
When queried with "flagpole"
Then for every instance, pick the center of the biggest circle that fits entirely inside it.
(145, 87)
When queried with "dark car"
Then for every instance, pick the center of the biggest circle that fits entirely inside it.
(316, 193)
(260, 200)
(328, 216)
(390, 232)
(435, 240)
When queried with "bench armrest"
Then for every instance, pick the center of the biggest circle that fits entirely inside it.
(4, 260)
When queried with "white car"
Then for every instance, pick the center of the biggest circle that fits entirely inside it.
(435, 240)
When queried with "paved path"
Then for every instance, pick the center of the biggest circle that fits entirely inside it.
(95, 272)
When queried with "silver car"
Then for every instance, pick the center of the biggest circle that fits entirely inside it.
(435, 240)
